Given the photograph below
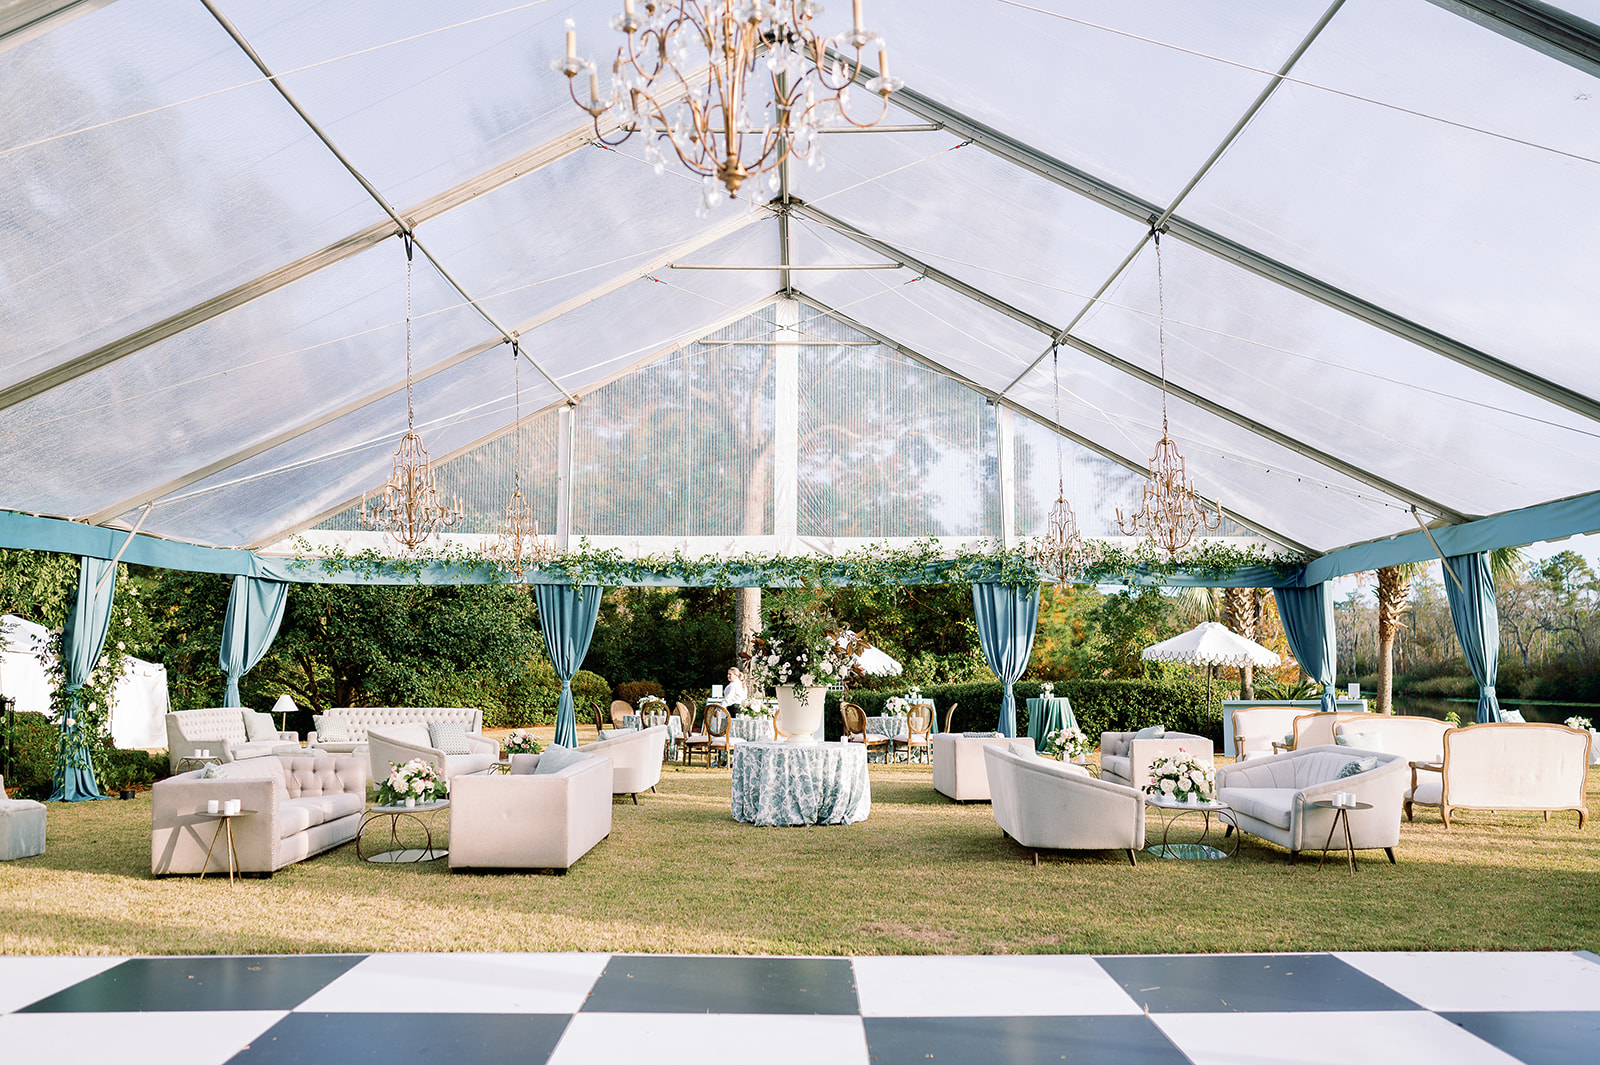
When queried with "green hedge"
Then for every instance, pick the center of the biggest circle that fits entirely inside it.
(538, 696)
(33, 770)
(1099, 705)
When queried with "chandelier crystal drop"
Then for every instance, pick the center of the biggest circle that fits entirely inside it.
(683, 78)
(518, 547)
(1172, 512)
(410, 511)
(1061, 554)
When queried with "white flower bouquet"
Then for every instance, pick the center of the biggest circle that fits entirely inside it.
(520, 742)
(803, 645)
(416, 780)
(647, 704)
(1046, 690)
(1579, 723)
(1180, 778)
(1067, 743)
(896, 706)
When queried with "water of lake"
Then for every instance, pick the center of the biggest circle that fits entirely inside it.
(1468, 709)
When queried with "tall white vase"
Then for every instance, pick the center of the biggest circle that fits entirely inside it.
(800, 711)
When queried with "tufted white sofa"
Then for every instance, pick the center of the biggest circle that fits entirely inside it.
(1126, 760)
(1271, 797)
(1045, 804)
(1506, 766)
(358, 719)
(304, 805)
(221, 730)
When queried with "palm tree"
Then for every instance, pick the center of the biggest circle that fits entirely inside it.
(1239, 613)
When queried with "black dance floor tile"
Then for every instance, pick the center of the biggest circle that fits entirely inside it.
(1538, 1038)
(146, 985)
(1018, 1041)
(635, 983)
(387, 1038)
(1225, 983)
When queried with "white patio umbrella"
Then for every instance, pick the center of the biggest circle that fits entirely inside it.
(1211, 644)
(878, 663)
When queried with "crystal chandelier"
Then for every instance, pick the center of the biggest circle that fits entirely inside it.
(682, 76)
(1172, 513)
(410, 510)
(1061, 554)
(519, 547)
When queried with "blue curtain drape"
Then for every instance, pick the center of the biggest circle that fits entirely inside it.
(81, 642)
(1307, 616)
(566, 616)
(1477, 622)
(1007, 617)
(255, 610)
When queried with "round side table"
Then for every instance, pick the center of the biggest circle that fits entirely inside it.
(1200, 849)
(1341, 816)
(421, 815)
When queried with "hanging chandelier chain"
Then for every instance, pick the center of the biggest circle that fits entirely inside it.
(410, 243)
(1161, 325)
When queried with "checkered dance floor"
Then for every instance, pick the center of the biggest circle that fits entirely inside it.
(438, 1009)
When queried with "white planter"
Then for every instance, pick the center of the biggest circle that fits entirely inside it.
(801, 710)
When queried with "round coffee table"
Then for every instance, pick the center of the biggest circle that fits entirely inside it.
(422, 815)
(224, 819)
(1171, 811)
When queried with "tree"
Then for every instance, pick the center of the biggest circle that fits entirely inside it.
(1122, 626)
(1394, 583)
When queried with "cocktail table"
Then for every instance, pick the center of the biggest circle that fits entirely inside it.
(1341, 816)
(422, 814)
(1200, 849)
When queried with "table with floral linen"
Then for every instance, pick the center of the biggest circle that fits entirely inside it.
(800, 783)
(751, 728)
(643, 721)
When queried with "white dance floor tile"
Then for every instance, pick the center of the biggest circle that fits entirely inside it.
(167, 1038)
(461, 983)
(711, 1039)
(1032, 985)
(1459, 982)
(1415, 1037)
(25, 980)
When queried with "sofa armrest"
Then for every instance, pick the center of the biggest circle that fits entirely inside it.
(181, 832)
(382, 751)
(477, 742)
(289, 736)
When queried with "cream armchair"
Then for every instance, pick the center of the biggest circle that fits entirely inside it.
(402, 743)
(958, 766)
(1416, 739)
(1272, 797)
(530, 820)
(1504, 766)
(1044, 804)
(1125, 759)
(636, 759)
(1257, 728)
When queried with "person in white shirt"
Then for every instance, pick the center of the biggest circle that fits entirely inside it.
(734, 695)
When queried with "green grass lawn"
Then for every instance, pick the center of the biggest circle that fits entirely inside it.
(921, 875)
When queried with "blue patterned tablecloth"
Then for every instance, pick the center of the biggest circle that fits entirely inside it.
(751, 729)
(800, 783)
(674, 728)
(888, 725)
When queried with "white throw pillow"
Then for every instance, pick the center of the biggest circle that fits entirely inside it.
(1154, 732)
(1023, 748)
(258, 727)
(1367, 741)
(331, 728)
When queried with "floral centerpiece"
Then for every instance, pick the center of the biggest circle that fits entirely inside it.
(520, 742)
(757, 708)
(1180, 778)
(1047, 690)
(648, 704)
(896, 706)
(801, 644)
(1067, 743)
(1579, 723)
(417, 780)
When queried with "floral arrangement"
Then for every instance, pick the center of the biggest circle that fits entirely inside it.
(520, 742)
(1046, 690)
(416, 779)
(1180, 778)
(1067, 743)
(802, 644)
(757, 708)
(646, 704)
(914, 694)
(896, 706)
(1578, 722)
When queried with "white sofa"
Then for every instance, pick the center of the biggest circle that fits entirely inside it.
(1257, 728)
(1125, 760)
(528, 820)
(1416, 739)
(304, 804)
(958, 767)
(1507, 766)
(222, 731)
(405, 742)
(358, 719)
(22, 827)
(1318, 729)
(635, 759)
(1271, 797)
(1044, 804)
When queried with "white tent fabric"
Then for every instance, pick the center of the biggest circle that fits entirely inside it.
(139, 699)
(878, 663)
(1378, 307)
(1211, 643)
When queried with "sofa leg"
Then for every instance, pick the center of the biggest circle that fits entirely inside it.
(1132, 860)
(1227, 831)
(1292, 856)
(636, 798)
(1035, 857)
(1390, 852)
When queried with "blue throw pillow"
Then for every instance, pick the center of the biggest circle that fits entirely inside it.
(1357, 765)
(1154, 732)
(449, 737)
(555, 758)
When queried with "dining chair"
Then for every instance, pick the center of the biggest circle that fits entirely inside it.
(949, 716)
(619, 707)
(719, 733)
(855, 731)
(919, 731)
(692, 741)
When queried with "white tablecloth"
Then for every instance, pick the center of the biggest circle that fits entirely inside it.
(800, 783)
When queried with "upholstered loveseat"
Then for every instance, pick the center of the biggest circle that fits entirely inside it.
(1416, 739)
(1272, 797)
(358, 719)
(1125, 757)
(530, 820)
(225, 732)
(304, 804)
(636, 759)
(1506, 766)
(391, 744)
(958, 767)
(1044, 804)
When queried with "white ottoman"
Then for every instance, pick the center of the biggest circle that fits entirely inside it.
(21, 828)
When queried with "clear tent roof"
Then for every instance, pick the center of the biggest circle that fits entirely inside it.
(1377, 286)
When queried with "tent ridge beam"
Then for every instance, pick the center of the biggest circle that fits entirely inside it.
(1146, 212)
(1558, 34)
(1210, 406)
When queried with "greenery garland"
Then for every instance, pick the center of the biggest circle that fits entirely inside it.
(874, 565)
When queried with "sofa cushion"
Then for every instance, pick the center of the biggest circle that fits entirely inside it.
(1153, 732)
(258, 727)
(1368, 740)
(1271, 805)
(413, 732)
(255, 750)
(297, 815)
(331, 728)
(448, 737)
(555, 758)
(1430, 789)
(1024, 748)
(1118, 765)
(456, 765)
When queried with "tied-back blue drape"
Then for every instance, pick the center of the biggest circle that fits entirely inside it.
(1477, 622)
(1307, 616)
(255, 610)
(566, 616)
(81, 642)
(1006, 617)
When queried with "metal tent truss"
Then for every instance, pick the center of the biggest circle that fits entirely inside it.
(223, 373)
